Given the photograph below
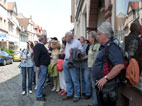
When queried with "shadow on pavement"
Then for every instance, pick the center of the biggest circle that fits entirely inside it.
(10, 95)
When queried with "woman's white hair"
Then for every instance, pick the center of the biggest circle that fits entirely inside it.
(106, 29)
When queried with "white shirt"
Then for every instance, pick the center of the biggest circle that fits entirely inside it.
(73, 44)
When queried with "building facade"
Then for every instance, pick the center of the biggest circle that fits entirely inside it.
(13, 26)
(15, 29)
(29, 32)
(3, 24)
(87, 15)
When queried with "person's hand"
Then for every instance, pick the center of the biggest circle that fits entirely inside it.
(70, 51)
(82, 58)
(23, 58)
(26, 58)
(101, 83)
(38, 69)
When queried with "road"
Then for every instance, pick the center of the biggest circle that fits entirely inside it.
(10, 91)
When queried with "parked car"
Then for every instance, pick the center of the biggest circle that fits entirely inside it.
(16, 56)
(5, 58)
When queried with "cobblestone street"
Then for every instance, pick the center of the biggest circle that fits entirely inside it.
(10, 91)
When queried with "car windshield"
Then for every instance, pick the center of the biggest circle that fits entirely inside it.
(2, 53)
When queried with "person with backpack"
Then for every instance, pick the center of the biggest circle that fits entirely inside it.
(133, 43)
(27, 68)
(106, 69)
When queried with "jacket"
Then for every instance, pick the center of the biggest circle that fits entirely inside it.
(74, 60)
(59, 65)
(132, 72)
(41, 56)
(26, 63)
(52, 70)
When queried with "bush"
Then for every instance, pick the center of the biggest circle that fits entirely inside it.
(9, 51)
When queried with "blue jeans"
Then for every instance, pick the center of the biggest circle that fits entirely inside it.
(41, 80)
(72, 80)
(25, 71)
(33, 75)
(86, 84)
(95, 100)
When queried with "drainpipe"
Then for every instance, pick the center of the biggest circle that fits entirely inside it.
(108, 8)
(114, 7)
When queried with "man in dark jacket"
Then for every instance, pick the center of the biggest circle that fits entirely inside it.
(75, 57)
(133, 43)
(42, 60)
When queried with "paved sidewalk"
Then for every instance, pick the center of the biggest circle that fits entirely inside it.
(53, 99)
(10, 91)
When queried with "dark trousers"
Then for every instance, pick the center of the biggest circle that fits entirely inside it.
(101, 102)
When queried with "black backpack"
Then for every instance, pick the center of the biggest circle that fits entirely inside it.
(121, 77)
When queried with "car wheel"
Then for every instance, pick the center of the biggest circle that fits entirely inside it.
(4, 62)
(11, 61)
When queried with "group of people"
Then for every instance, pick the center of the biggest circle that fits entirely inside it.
(79, 67)
(90, 73)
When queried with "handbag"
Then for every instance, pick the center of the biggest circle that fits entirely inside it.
(109, 91)
(19, 66)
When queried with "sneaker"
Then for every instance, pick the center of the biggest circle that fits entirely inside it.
(87, 97)
(44, 95)
(75, 99)
(23, 93)
(36, 87)
(64, 93)
(57, 90)
(61, 92)
(30, 92)
(83, 94)
(41, 99)
(67, 97)
(53, 89)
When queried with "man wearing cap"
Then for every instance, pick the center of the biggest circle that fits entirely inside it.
(42, 60)
(101, 77)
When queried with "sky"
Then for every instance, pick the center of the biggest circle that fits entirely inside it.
(52, 15)
(121, 6)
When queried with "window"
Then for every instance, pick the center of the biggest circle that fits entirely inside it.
(24, 38)
(4, 24)
(3, 53)
(1, 1)
(4, 2)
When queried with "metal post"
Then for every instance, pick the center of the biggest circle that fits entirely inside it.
(80, 81)
(27, 81)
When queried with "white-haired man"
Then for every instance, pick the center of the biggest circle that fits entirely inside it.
(114, 61)
(71, 74)
(42, 60)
